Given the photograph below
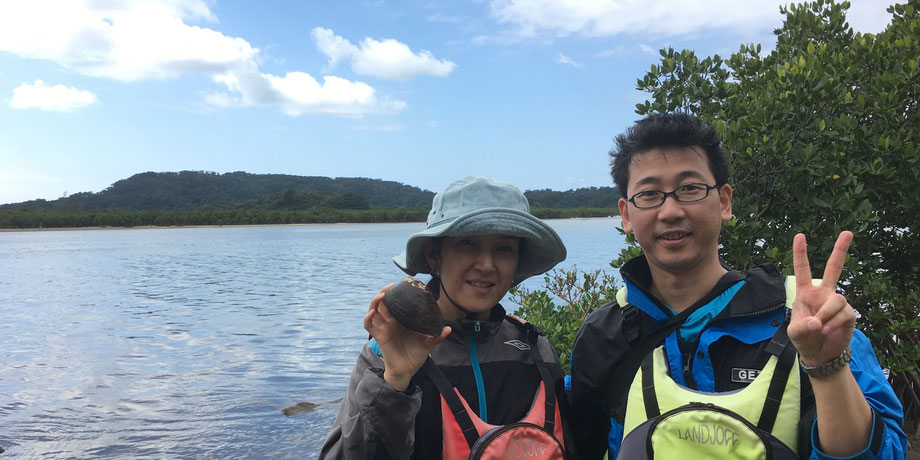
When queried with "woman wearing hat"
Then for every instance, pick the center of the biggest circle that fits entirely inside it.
(480, 241)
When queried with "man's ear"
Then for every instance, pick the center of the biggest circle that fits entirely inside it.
(432, 251)
(624, 214)
(725, 202)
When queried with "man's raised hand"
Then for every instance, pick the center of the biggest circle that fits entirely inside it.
(822, 321)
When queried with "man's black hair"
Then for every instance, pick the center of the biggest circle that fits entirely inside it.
(666, 130)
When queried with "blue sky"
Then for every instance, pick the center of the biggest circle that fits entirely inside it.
(419, 92)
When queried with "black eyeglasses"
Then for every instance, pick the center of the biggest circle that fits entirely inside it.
(688, 193)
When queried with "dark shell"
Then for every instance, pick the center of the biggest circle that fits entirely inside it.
(412, 304)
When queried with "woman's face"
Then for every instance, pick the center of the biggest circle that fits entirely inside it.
(476, 271)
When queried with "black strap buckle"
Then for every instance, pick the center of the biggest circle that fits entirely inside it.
(631, 323)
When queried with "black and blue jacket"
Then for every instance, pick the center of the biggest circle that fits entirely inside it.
(714, 350)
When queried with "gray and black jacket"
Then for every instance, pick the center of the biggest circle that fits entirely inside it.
(489, 362)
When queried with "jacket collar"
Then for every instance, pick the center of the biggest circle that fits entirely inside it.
(762, 291)
(463, 327)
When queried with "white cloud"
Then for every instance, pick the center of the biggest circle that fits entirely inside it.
(389, 59)
(130, 40)
(662, 18)
(124, 40)
(599, 18)
(57, 98)
(330, 44)
(335, 95)
(563, 59)
(298, 93)
(869, 16)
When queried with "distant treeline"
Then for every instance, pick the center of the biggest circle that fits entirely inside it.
(192, 190)
(28, 218)
(44, 218)
(296, 200)
(239, 198)
(588, 197)
(209, 191)
(568, 213)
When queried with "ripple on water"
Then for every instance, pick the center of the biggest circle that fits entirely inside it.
(187, 343)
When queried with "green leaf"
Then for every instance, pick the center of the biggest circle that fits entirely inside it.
(824, 120)
(668, 65)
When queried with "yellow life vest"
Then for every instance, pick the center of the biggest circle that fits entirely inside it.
(714, 435)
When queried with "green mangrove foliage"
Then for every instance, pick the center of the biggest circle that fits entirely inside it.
(822, 136)
(31, 218)
(61, 218)
(580, 293)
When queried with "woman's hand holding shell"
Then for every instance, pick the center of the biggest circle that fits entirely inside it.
(404, 350)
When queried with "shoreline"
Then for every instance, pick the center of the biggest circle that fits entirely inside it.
(168, 227)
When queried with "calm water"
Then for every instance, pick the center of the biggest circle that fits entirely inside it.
(187, 343)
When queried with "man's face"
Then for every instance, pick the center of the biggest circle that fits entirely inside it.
(676, 237)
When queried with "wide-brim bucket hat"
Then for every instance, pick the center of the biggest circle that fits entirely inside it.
(482, 206)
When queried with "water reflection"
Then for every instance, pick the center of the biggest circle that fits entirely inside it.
(189, 342)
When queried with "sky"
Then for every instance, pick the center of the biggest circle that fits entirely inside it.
(418, 92)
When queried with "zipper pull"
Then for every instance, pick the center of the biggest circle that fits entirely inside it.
(688, 371)
(476, 326)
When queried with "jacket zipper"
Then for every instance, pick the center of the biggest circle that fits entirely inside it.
(687, 360)
(477, 373)
(688, 370)
(688, 356)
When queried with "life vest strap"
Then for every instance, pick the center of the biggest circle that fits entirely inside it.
(641, 347)
(453, 401)
(470, 433)
(648, 388)
(550, 398)
(780, 346)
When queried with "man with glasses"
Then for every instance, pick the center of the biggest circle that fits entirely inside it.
(721, 329)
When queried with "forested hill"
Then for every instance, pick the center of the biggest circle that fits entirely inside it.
(588, 197)
(199, 190)
(191, 190)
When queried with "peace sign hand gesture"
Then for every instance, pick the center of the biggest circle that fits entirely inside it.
(822, 321)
